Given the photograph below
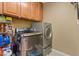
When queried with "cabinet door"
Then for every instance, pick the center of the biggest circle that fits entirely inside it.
(26, 10)
(36, 11)
(40, 12)
(11, 8)
(0, 7)
(34, 8)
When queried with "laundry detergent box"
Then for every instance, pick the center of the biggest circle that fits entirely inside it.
(6, 39)
(1, 40)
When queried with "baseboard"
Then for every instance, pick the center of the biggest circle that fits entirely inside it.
(57, 53)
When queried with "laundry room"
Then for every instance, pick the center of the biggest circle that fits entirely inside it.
(39, 29)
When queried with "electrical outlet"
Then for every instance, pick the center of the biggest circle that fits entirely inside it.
(77, 21)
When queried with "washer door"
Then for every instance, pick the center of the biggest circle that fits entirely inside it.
(48, 33)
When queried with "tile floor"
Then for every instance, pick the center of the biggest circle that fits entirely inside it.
(54, 53)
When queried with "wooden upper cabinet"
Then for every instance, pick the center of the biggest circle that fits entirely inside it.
(0, 7)
(26, 10)
(36, 11)
(11, 8)
(32, 11)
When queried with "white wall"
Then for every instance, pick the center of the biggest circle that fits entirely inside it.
(65, 28)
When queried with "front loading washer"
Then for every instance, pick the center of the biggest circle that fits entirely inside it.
(46, 29)
(47, 38)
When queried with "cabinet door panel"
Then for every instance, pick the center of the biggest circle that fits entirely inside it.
(40, 12)
(0, 7)
(25, 10)
(11, 8)
(36, 11)
(34, 8)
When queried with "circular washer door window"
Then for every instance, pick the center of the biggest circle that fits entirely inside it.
(48, 32)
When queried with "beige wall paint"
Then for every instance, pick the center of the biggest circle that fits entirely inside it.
(65, 28)
(21, 23)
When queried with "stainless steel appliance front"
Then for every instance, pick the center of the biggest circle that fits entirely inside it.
(31, 45)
